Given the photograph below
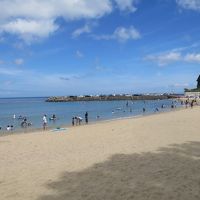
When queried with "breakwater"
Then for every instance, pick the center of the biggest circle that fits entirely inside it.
(108, 98)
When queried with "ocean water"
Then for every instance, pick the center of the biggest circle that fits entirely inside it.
(34, 109)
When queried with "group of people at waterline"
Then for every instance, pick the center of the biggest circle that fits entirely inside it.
(75, 120)
(24, 123)
(78, 120)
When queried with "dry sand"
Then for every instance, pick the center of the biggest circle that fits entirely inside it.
(154, 157)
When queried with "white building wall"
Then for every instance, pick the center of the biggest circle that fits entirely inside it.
(192, 94)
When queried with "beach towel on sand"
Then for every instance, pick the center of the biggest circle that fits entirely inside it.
(58, 129)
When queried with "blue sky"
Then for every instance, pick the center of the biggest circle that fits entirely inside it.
(72, 47)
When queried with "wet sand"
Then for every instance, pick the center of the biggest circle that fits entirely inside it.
(152, 157)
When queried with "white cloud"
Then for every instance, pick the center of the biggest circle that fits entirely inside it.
(87, 28)
(121, 34)
(180, 85)
(9, 71)
(192, 58)
(36, 19)
(164, 59)
(189, 4)
(19, 61)
(51, 9)
(100, 68)
(82, 30)
(29, 30)
(174, 56)
(126, 5)
(18, 45)
(79, 54)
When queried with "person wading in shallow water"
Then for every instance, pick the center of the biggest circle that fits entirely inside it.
(73, 121)
(44, 119)
(86, 117)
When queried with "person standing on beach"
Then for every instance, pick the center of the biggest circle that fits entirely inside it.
(86, 117)
(44, 119)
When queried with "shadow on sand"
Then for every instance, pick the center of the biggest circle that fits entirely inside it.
(172, 173)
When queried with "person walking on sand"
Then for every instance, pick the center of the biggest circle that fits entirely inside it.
(44, 119)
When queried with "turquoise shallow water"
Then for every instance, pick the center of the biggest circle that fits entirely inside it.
(35, 108)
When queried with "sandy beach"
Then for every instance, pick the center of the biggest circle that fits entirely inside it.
(154, 157)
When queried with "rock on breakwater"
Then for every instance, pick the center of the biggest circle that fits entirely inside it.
(107, 98)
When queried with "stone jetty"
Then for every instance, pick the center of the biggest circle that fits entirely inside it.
(109, 97)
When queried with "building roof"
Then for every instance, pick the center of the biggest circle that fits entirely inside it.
(198, 78)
